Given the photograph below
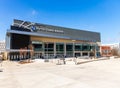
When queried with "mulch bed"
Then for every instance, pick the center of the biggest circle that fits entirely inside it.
(25, 62)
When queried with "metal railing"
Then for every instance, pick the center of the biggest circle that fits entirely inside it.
(16, 54)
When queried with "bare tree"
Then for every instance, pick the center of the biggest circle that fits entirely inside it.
(116, 51)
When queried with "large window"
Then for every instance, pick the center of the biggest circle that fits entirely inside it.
(97, 48)
(78, 47)
(69, 47)
(49, 50)
(59, 47)
(49, 47)
(37, 45)
(93, 47)
(86, 47)
(69, 50)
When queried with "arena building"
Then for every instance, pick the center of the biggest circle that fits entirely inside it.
(52, 41)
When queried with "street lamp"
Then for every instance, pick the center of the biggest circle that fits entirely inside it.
(73, 47)
(47, 50)
(46, 59)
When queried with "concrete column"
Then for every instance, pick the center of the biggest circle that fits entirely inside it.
(89, 54)
(54, 49)
(43, 47)
(64, 49)
(95, 52)
(8, 38)
(81, 53)
(73, 49)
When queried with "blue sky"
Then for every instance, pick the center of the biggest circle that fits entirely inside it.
(93, 15)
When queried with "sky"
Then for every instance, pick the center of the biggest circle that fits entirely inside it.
(92, 15)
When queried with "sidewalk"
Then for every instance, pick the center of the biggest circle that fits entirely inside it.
(81, 61)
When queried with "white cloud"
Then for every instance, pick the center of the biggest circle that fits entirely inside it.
(111, 40)
(34, 12)
(90, 27)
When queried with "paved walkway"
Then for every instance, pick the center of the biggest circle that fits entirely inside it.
(98, 74)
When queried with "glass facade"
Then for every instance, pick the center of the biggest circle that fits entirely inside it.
(85, 47)
(78, 47)
(59, 49)
(38, 47)
(69, 49)
(51, 41)
(50, 50)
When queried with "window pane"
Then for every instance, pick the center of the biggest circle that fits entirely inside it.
(69, 47)
(78, 47)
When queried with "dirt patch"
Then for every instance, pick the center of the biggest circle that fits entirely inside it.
(25, 62)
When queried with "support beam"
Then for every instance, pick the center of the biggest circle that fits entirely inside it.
(64, 49)
(54, 49)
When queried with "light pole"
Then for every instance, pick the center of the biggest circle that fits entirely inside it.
(95, 52)
(73, 47)
(47, 50)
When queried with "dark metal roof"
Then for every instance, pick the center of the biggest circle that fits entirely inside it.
(54, 31)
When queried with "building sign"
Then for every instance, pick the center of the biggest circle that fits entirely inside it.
(48, 30)
(33, 28)
(36, 42)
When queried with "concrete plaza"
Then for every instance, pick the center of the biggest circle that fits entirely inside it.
(96, 74)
